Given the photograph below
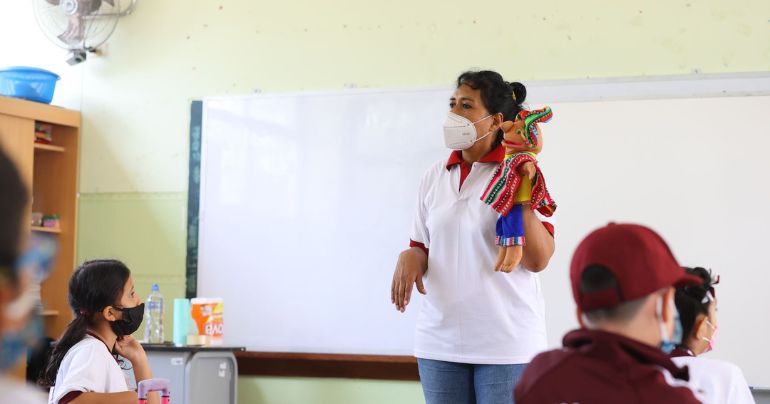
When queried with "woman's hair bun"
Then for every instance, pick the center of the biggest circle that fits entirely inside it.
(519, 91)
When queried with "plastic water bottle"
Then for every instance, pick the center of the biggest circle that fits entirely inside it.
(153, 327)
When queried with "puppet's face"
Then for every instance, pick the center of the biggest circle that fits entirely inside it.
(516, 139)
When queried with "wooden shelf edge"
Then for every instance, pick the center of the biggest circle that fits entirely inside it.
(55, 230)
(290, 364)
(49, 147)
(49, 313)
(38, 111)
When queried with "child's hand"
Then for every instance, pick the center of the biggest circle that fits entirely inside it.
(131, 349)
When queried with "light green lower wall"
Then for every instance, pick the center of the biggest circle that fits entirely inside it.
(280, 390)
(148, 232)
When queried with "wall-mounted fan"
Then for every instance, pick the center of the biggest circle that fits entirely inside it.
(80, 26)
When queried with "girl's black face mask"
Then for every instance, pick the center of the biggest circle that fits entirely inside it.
(132, 319)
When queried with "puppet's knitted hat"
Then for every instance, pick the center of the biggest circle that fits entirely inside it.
(531, 119)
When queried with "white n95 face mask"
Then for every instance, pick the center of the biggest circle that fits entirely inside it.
(460, 132)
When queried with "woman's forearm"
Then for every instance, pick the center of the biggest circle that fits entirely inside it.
(539, 246)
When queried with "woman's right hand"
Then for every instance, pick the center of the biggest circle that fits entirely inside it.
(410, 268)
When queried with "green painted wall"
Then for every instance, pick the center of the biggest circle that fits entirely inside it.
(135, 98)
(143, 230)
(270, 390)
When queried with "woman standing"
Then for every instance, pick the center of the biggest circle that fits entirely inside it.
(477, 327)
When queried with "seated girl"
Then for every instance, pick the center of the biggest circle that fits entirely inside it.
(84, 366)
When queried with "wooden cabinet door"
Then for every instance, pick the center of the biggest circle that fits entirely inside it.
(17, 139)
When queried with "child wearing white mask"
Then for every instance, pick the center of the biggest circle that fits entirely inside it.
(718, 381)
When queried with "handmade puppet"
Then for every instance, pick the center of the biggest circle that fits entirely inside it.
(516, 183)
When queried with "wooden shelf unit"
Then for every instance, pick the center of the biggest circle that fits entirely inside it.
(51, 174)
(49, 147)
(50, 313)
(54, 230)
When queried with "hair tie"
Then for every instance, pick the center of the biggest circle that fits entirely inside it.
(83, 312)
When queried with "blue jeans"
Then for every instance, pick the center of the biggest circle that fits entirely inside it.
(463, 383)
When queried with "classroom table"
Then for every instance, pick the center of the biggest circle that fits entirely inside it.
(198, 375)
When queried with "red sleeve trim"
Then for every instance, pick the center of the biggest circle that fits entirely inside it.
(550, 228)
(70, 396)
(413, 243)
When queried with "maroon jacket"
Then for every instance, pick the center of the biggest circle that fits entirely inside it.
(602, 367)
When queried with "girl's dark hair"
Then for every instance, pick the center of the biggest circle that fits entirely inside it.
(496, 94)
(93, 286)
(693, 300)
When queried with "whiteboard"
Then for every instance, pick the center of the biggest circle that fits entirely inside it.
(307, 199)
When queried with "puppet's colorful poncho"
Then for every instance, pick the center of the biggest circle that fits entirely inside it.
(505, 192)
(502, 189)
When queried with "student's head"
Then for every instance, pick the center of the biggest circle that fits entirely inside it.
(98, 289)
(484, 93)
(100, 292)
(623, 278)
(697, 307)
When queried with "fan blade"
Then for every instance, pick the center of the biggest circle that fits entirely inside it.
(111, 2)
(53, 2)
(91, 6)
(73, 35)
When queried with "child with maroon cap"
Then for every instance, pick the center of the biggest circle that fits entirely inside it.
(623, 278)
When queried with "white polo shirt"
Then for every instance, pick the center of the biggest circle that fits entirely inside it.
(88, 367)
(717, 381)
(470, 313)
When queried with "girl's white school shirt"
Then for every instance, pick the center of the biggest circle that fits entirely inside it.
(88, 367)
(470, 313)
(717, 381)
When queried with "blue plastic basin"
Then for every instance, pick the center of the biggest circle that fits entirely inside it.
(29, 83)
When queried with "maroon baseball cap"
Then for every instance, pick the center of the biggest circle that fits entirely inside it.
(639, 259)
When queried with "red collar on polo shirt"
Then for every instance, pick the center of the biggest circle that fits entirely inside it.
(495, 155)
